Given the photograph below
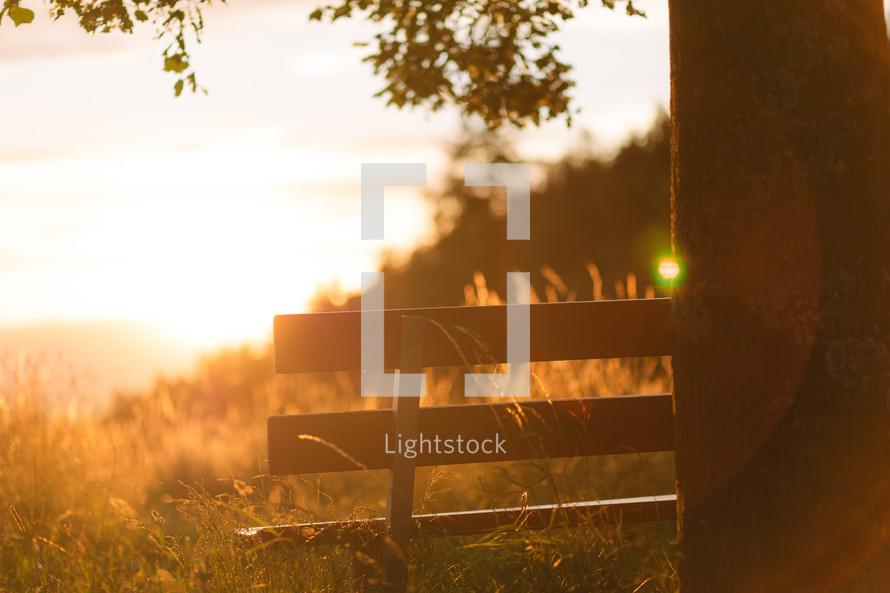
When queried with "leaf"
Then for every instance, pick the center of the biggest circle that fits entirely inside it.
(178, 87)
(141, 16)
(175, 63)
(21, 16)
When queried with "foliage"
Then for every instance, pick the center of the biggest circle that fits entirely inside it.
(175, 20)
(611, 212)
(489, 57)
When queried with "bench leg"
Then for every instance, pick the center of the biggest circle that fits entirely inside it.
(400, 494)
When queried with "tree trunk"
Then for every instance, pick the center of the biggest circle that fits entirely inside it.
(781, 212)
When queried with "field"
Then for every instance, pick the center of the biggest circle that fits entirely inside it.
(146, 496)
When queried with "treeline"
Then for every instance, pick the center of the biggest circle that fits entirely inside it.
(613, 213)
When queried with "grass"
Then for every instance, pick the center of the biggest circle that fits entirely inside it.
(146, 496)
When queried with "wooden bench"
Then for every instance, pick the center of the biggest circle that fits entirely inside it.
(528, 429)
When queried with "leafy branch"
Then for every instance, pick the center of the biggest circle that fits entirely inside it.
(174, 20)
(491, 58)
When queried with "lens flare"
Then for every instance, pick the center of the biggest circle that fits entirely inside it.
(668, 269)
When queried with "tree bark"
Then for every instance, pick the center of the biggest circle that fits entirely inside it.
(781, 213)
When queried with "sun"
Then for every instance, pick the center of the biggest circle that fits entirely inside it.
(669, 269)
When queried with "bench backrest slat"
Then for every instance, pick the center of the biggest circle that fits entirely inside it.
(559, 331)
(536, 429)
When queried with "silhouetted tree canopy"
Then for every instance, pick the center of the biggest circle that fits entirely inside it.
(613, 213)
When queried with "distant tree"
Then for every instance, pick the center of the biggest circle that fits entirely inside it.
(614, 213)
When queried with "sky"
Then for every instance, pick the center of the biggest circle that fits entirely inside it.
(204, 216)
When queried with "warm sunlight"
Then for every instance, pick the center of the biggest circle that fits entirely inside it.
(669, 269)
(197, 395)
(150, 235)
(169, 238)
(205, 216)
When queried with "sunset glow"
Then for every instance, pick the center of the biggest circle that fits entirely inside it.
(669, 269)
(203, 250)
(205, 216)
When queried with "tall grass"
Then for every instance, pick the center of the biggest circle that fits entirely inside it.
(146, 496)
(69, 517)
